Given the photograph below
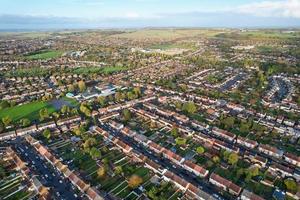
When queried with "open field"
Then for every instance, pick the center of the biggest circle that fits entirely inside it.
(166, 33)
(44, 55)
(30, 111)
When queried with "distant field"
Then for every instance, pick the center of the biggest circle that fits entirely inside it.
(166, 33)
(30, 111)
(44, 55)
(259, 35)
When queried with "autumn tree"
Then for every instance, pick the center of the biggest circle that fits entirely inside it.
(135, 181)
(81, 86)
(101, 172)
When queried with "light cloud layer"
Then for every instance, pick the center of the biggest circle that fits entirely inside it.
(286, 8)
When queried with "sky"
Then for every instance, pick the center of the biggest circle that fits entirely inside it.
(68, 14)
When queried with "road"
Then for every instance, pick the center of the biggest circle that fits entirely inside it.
(61, 188)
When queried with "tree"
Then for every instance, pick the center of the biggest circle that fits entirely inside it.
(291, 185)
(4, 104)
(71, 88)
(251, 172)
(81, 86)
(90, 142)
(44, 114)
(233, 158)
(25, 122)
(118, 96)
(102, 100)
(118, 170)
(65, 109)
(130, 95)
(200, 150)
(47, 134)
(189, 107)
(2, 127)
(95, 153)
(101, 172)
(134, 181)
(137, 91)
(6, 121)
(228, 122)
(126, 115)
(216, 159)
(174, 131)
(84, 109)
(180, 141)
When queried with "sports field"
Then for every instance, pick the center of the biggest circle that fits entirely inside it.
(30, 111)
(44, 55)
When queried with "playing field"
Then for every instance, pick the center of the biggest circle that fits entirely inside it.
(43, 55)
(30, 111)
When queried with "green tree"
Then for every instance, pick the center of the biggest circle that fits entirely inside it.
(4, 104)
(126, 115)
(291, 185)
(228, 122)
(65, 109)
(174, 131)
(47, 134)
(102, 100)
(130, 95)
(200, 150)
(1, 127)
(95, 153)
(118, 170)
(6, 121)
(189, 107)
(25, 122)
(137, 91)
(43, 114)
(233, 158)
(180, 141)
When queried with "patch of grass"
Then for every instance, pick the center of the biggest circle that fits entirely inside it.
(43, 55)
(109, 70)
(30, 111)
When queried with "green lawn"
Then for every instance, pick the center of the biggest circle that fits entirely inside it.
(109, 70)
(30, 111)
(43, 55)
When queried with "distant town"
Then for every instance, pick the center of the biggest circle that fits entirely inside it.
(158, 114)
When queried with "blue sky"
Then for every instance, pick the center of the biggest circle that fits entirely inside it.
(43, 14)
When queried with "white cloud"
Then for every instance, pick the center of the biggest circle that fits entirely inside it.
(282, 8)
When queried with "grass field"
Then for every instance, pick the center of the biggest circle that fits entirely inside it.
(98, 70)
(166, 33)
(43, 55)
(30, 111)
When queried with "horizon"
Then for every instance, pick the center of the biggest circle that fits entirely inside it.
(104, 14)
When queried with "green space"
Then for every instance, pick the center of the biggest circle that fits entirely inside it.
(29, 110)
(73, 102)
(98, 70)
(43, 55)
